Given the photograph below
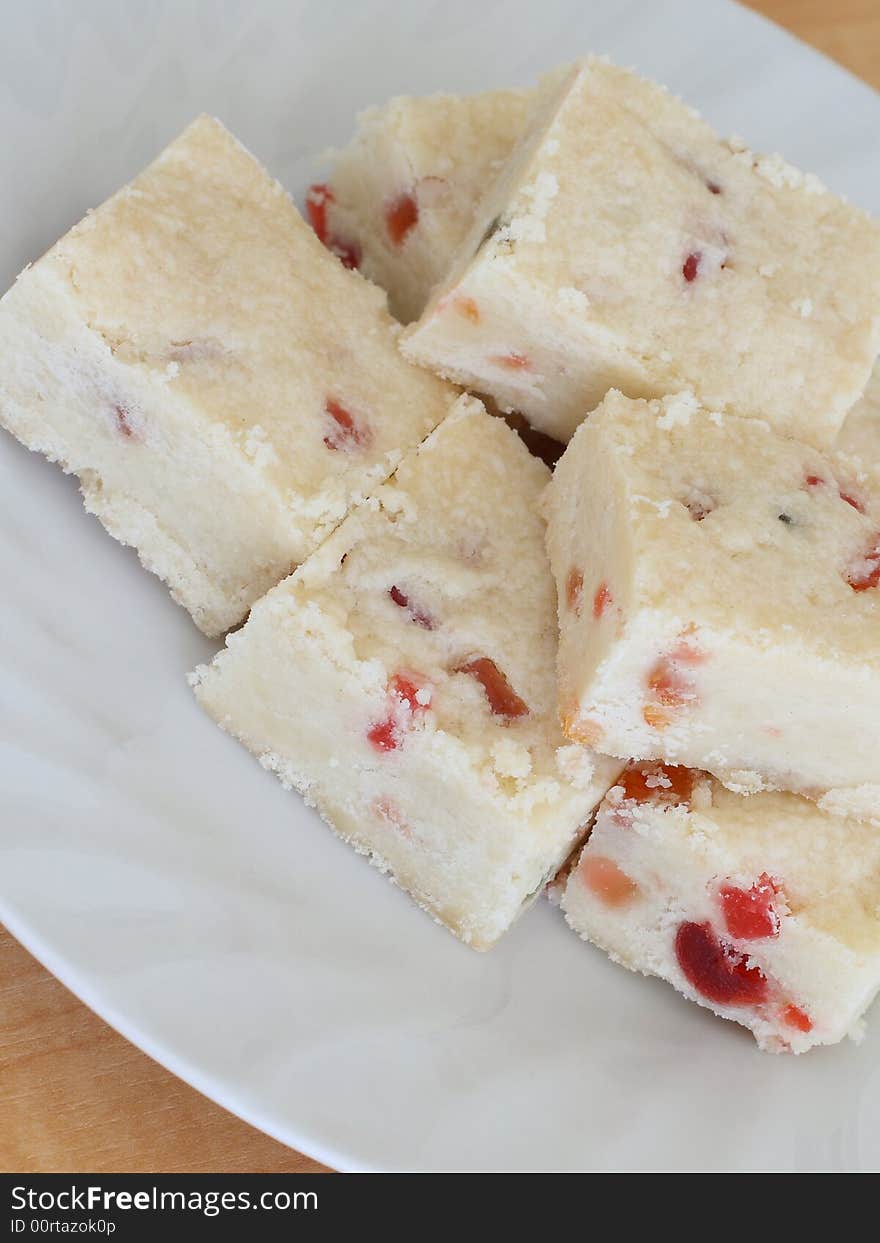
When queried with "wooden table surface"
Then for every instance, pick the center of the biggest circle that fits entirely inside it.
(74, 1095)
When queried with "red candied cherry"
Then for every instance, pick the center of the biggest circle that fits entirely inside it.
(407, 690)
(123, 420)
(845, 494)
(602, 600)
(387, 734)
(865, 572)
(503, 699)
(386, 809)
(512, 361)
(401, 217)
(574, 591)
(345, 432)
(416, 614)
(691, 266)
(794, 1016)
(348, 253)
(318, 197)
(851, 499)
(606, 880)
(715, 970)
(749, 913)
(670, 784)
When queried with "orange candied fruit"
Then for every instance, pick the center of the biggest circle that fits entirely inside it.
(468, 308)
(655, 717)
(581, 729)
(606, 880)
(670, 684)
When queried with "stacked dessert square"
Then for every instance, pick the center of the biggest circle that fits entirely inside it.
(653, 675)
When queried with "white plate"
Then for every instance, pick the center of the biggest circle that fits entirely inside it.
(149, 862)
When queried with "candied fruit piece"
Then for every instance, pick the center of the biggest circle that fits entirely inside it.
(386, 809)
(749, 913)
(574, 591)
(794, 1016)
(601, 600)
(581, 729)
(385, 735)
(846, 494)
(407, 690)
(416, 614)
(512, 361)
(668, 684)
(468, 308)
(606, 880)
(503, 699)
(123, 420)
(318, 197)
(401, 216)
(346, 432)
(865, 572)
(715, 970)
(669, 681)
(691, 266)
(670, 784)
(851, 499)
(348, 253)
(655, 717)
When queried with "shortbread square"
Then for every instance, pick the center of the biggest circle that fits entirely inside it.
(224, 390)
(626, 246)
(403, 681)
(762, 908)
(719, 600)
